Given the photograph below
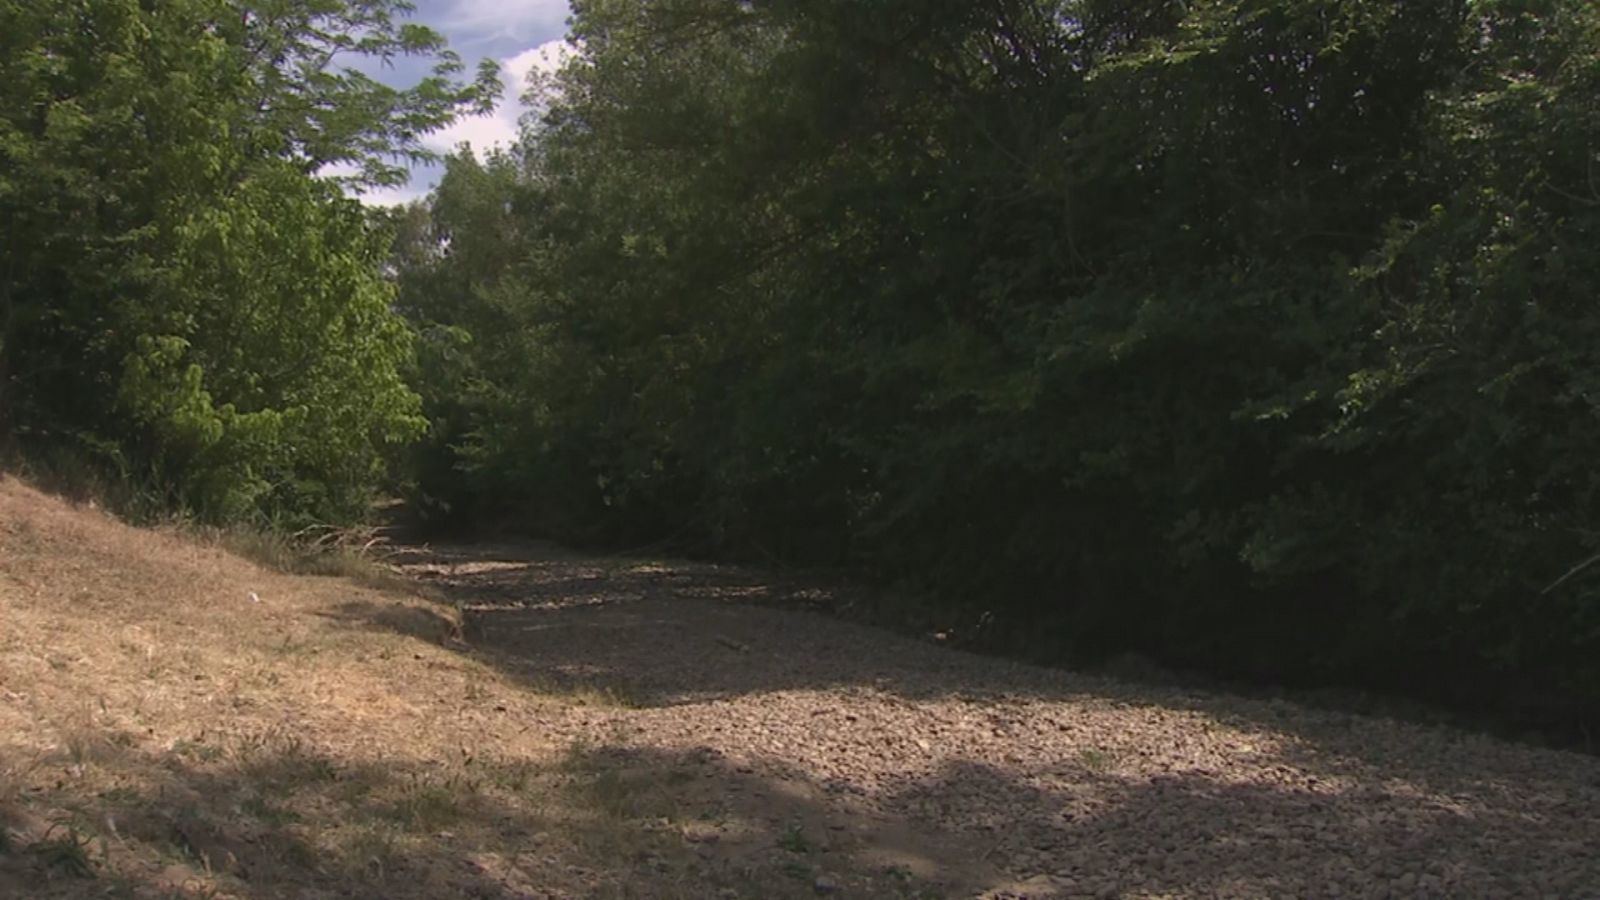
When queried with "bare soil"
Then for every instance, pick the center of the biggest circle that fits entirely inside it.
(513, 721)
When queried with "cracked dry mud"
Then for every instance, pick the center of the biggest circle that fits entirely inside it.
(879, 757)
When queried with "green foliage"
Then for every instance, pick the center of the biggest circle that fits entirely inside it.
(182, 297)
(1258, 335)
(455, 255)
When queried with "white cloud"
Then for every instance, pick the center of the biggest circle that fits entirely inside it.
(396, 196)
(415, 189)
(499, 128)
(470, 22)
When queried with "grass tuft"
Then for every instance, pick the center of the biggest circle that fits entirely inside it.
(65, 851)
(1097, 760)
(794, 840)
(428, 804)
(323, 552)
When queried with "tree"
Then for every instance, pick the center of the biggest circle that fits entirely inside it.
(1255, 335)
(183, 298)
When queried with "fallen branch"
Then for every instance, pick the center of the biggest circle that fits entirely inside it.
(1575, 570)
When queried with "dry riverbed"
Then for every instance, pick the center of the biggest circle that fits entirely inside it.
(513, 721)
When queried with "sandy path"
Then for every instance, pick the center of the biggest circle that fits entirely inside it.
(880, 757)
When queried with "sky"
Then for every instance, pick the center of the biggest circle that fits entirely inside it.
(520, 34)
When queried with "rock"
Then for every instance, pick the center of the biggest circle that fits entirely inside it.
(701, 835)
(1038, 886)
(825, 884)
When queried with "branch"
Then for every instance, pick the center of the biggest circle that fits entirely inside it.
(1575, 570)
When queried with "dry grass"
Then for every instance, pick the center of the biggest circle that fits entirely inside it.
(202, 718)
(359, 554)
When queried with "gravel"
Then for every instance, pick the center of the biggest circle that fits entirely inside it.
(996, 779)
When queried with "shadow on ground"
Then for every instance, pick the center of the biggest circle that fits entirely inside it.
(663, 633)
(708, 631)
(283, 821)
(276, 819)
(1370, 806)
